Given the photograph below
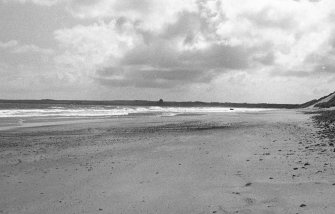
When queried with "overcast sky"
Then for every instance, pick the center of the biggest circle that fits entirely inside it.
(278, 51)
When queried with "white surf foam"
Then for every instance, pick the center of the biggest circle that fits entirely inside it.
(116, 111)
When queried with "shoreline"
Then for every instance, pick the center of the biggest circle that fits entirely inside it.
(159, 103)
(269, 162)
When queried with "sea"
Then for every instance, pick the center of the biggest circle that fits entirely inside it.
(21, 110)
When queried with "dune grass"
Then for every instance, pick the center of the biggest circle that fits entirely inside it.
(325, 117)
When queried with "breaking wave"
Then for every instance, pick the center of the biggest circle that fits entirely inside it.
(108, 111)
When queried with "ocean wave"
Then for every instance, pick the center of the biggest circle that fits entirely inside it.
(117, 111)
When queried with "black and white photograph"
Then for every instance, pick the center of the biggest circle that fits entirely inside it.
(167, 107)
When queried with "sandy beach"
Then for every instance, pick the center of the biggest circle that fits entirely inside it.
(266, 162)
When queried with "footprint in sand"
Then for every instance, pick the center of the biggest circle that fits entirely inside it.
(248, 184)
(249, 201)
(220, 210)
(271, 202)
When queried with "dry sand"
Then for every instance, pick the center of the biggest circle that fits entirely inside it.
(270, 162)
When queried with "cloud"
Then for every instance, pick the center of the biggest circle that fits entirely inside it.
(15, 47)
(169, 44)
(151, 14)
(87, 48)
(37, 2)
(31, 82)
(187, 49)
(32, 48)
(9, 44)
(151, 78)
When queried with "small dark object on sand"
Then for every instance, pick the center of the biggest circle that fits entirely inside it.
(306, 164)
(248, 184)
(231, 109)
(303, 205)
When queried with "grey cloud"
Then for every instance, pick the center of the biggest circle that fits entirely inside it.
(159, 63)
(15, 47)
(266, 58)
(265, 20)
(168, 68)
(291, 73)
(187, 23)
(152, 78)
(317, 70)
(325, 69)
(133, 5)
(217, 56)
(164, 56)
(309, 0)
(84, 3)
(9, 44)
(37, 2)
(160, 51)
(111, 8)
(157, 54)
(322, 63)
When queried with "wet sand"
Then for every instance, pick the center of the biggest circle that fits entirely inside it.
(269, 162)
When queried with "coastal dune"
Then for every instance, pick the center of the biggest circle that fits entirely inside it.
(259, 162)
